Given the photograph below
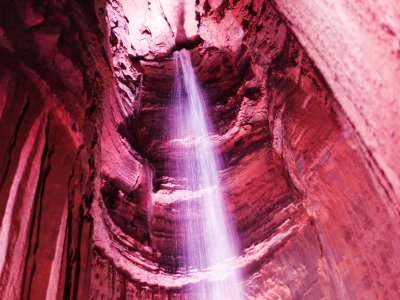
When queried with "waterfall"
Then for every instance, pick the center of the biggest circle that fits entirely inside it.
(209, 240)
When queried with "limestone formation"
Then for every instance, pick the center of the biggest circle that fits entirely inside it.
(304, 101)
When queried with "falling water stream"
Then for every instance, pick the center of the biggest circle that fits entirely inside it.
(209, 241)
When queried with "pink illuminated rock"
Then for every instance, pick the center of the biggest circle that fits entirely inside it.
(303, 102)
(359, 56)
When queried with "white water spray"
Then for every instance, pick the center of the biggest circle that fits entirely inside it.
(209, 241)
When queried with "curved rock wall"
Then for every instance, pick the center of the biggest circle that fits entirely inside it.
(356, 48)
(51, 89)
(89, 204)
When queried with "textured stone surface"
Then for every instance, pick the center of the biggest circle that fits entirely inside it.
(356, 47)
(302, 98)
(49, 94)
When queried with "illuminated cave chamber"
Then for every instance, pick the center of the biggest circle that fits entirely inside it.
(303, 102)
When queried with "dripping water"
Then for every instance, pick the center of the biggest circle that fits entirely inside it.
(209, 240)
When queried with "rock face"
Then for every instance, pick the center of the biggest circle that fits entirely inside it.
(303, 101)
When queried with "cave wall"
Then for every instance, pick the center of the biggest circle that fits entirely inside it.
(310, 174)
(332, 170)
(356, 48)
(51, 89)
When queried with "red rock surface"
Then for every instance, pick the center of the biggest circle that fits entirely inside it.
(303, 99)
